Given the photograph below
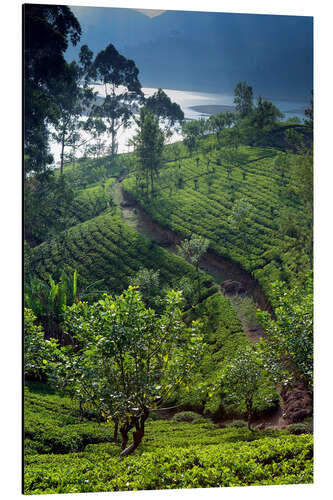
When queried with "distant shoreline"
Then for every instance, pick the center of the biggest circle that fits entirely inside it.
(212, 109)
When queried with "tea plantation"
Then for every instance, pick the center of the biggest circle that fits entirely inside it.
(197, 195)
(69, 453)
(105, 248)
(70, 449)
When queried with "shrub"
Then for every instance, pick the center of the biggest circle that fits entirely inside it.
(301, 428)
(237, 424)
(187, 416)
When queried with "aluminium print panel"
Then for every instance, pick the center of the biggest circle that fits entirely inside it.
(168, 249)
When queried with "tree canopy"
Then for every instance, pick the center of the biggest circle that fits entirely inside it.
(168, 112)
(128, 360)
(122, 90)
(243, 99)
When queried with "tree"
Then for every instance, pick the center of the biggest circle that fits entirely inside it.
(97, 129)
(48, 29)
(37, 351)
(72, 101)
(193, 131)
(149, 143)
(241, 379)
(47, 199)
(128, 360)
(288, 348)
(192, 250)
(241, 216)
(148, 283)
(168, 113)
(216, 124)
(47, 32)
(122, 90)
(265, 114)
(243, 99)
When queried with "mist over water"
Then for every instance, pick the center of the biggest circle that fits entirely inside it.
(186, 100)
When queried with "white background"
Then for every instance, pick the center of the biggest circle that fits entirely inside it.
(11, 241)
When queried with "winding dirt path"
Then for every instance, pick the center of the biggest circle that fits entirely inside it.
(220, 269)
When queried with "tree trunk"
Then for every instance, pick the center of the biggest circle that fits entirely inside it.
(124, 430)
(137, 434)
(62, 154)
(249, 413)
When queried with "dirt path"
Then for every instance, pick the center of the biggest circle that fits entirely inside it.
(220, 269)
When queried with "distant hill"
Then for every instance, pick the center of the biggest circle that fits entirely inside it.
(208, 52)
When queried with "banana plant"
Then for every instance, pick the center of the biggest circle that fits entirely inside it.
(48, 300)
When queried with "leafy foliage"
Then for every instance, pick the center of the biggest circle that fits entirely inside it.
(105, 248)
(290, 336)
(271, 251)
(242, 378)
(79, 456)
(128, 360)
(37, 352)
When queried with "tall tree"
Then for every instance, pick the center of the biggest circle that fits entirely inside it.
(149, 143)
(122, 90)
(193, 131)
(72, 101)
(265, 114)
(243, 99)
(169, 113)
(48, 29)
(47, 32)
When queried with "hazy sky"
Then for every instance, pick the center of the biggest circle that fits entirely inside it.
(207, 51)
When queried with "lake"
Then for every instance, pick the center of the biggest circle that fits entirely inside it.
(204, 102)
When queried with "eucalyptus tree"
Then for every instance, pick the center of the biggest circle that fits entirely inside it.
(72, 100)
(243, 99)
(48, 30)
(169, 113)
(148, 143)
(122, 90)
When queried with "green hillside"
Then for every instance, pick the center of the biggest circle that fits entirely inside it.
(197, 195)
(105, 248)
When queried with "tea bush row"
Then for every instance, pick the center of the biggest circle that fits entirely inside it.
(267, 253)
(266, 461)
(106, 248)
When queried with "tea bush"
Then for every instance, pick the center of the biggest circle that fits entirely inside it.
(106, 248)
(67, 453)
(269, 252)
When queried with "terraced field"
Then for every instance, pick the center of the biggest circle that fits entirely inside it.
(202, 202)
(106, 248)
